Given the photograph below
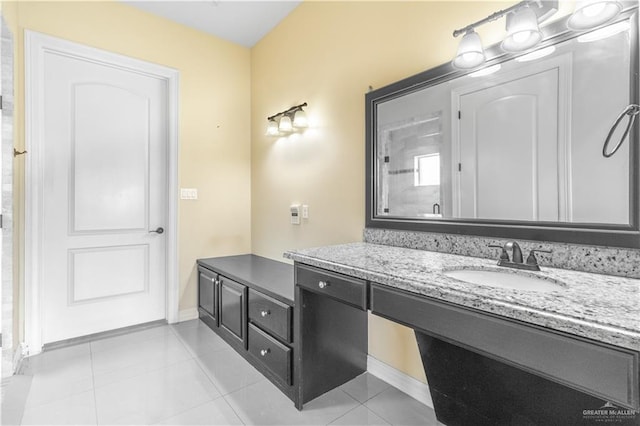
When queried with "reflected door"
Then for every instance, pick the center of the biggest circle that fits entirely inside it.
(509, 151)
(105, 180)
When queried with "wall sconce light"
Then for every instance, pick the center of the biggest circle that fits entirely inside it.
(593, 13)
(287, 121)
(522, 31)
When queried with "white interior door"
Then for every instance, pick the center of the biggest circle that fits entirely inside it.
(509, 150)
(104, 158)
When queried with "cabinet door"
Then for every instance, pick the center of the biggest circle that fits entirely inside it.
(233, 314)
(207, 292)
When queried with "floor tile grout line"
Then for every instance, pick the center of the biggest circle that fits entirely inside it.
(93, 382)
(348, 411)
(233, 409)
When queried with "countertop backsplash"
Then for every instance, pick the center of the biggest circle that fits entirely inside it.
(616, 261)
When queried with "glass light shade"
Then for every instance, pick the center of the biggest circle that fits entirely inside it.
(300, 119)
(285, 124)
(522, 31)
(470, 52)
(272, 128)
(593, 13)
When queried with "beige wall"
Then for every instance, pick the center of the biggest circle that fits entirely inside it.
(327, 54)
(214, 121)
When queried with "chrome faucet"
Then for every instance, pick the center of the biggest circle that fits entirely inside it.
(516, 260)
(516, 252)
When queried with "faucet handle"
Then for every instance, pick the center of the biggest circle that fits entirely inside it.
(503, 254)
(531, 259)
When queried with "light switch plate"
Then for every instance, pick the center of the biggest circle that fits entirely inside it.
(305, 211)
(188, 193)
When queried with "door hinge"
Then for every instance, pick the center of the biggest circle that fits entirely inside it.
(386, 159)
(459, 167)
(459, 114)
(1, 104)
(1, 222)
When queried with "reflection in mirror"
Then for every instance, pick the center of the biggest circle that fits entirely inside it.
(521, 144)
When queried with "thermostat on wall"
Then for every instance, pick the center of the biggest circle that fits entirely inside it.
(295, 214)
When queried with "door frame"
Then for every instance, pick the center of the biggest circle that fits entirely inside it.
(36, 45)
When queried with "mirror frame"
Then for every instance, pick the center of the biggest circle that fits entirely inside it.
(611, 235)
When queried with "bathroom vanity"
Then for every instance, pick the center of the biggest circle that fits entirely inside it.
(491, 355)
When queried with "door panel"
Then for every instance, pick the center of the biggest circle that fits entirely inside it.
(105, 186)
(92, 275)
(233, 299)
(507, 156)
(108, 157)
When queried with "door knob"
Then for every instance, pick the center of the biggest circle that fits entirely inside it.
(160, 230)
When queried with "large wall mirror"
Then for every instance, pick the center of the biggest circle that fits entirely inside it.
(514, 149)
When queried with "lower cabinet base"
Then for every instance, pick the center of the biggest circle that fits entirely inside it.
(207, 319)
(287, 389)
(470, 389)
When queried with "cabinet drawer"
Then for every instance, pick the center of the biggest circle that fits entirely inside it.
(601, 370)
(270, 314)
(346, 289)
(273, 354)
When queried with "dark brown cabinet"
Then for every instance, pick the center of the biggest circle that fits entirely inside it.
(233, 315)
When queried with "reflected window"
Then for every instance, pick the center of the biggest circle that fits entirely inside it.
(427, 170)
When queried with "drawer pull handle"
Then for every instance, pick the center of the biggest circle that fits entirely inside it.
(323, 284)
(264, 313)
(264, 352)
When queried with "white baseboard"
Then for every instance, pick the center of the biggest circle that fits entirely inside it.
(399, 380)
(188, 314)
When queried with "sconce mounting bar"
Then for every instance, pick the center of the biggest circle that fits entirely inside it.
(288, 111)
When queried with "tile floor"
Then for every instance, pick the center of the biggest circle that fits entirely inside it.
(183, 374)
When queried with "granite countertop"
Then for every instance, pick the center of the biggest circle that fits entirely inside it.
(604, 308)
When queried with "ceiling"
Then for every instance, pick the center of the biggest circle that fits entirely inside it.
(242, 22)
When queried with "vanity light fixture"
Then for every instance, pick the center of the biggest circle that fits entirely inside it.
(287, 121)
(593, 13)
(523, 32)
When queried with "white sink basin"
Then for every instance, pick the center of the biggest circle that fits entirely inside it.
(506, 279)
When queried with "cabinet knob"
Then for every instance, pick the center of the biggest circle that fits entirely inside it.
(264, 313)
(323, 284)
(264, 352)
